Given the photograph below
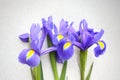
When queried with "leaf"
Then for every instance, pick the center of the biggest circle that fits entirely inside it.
(63, 73)
(83, 59)
(90, 71)
(53, 60)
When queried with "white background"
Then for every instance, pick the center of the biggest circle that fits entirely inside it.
(16, 17)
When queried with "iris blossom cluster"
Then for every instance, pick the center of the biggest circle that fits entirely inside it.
(63, 40)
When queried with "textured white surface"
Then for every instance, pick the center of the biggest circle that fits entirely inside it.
(16, 16)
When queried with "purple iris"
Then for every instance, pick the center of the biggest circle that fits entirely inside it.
(31, 56)
(61, 39)
(86, 37)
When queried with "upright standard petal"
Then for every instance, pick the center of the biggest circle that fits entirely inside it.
(29, 57)
(24, 37)
(65, 50)
(101, 47)
(83, 25)
(86, 39)
(34, 31)
(63, 26)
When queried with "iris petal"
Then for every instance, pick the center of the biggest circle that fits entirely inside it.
(83, 25)
(101, 47)
(59, 60)
(50, 49)
(63, 26)
(98, 35)
(57, 38)
(22, 56)
(86, 39)
(65, 53)
(29, 57)
(42, 38)
(24, 37)
(34, 31)
(34, 60)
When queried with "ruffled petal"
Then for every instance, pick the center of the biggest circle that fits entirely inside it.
(24, 37)
(100, 49)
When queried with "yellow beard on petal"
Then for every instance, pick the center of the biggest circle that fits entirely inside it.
(30, 54)
(59, 37)
(66, 45)
(101, 44)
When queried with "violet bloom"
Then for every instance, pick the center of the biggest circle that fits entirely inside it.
(86, 37)
(31, 56)
(60, 39)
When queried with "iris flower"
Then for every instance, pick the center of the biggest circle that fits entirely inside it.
(61, 40)
(31, 56)
(86, 37)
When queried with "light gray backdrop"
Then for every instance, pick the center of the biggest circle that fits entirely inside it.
(16, 17)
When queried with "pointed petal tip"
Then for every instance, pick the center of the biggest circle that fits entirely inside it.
(24, 37)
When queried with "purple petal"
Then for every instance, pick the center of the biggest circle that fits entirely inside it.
(57, 38)
(34, 44)
(100, 49)
(22, 56)
(78, 44)
(29, 57)
(63, 26)
(86, 39)
(73, 33)
(34, 60)
(48, 24)
(59, 60)
(65, 53)
(42, 38)
(98, 36)
(48, 50)
(83, 25)
(34, 31)
(24, 37)
(55, 29)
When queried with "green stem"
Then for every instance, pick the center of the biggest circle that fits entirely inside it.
(63, 73)
(32, 74)
(83, 59)
(53, 60)
(38, 73)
